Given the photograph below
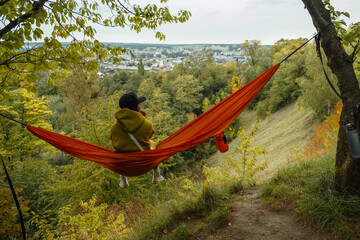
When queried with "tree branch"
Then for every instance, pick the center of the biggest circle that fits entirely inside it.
(9, 60)
(2, 83)
(3, 2)
(123, 6)
(37, 5)
(356, 50)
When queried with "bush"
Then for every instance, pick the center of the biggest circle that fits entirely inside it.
(90, 222)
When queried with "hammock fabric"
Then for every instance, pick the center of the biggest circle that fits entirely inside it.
(207, 125)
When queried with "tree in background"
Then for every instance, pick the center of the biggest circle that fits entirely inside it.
(141, 68)
(253, 51)
(315, 91)
(258, 60)
(79, 96)
(284, 87)
(72, 21)
(326, 21)
(15, 143)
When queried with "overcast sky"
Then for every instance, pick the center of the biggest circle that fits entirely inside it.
(233, 21)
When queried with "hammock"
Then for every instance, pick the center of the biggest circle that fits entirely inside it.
(209, 124)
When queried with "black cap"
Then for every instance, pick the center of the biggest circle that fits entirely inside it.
(130, 100)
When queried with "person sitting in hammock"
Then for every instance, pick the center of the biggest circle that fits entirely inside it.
(132, 132)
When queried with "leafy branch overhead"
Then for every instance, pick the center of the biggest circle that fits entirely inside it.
(350, 35)
(74, 22)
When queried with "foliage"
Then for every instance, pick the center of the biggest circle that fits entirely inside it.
(34, 176)
(79, 96)
(25, 107)
(348, 34)
(198, 61)
(94, 124)
(121, 80)
(316, 93)
(253, 51)
(246, 165)
(9, 223)
(215, 80)
(91, 221)
(259, 60)
(188, 95)
(285, 88)
(74, 21)
(159, 111)
(262, 108)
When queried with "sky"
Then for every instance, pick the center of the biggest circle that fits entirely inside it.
(232, 21)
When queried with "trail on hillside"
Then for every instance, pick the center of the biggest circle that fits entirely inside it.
(250, 219)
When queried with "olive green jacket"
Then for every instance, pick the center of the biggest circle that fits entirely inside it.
(133, 122)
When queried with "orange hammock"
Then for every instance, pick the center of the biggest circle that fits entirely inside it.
(207, 125)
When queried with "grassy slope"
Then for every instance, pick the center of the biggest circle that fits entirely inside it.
(286, 130)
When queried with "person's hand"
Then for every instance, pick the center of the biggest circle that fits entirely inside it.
(143, 113)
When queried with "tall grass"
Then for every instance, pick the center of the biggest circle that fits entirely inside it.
(167, 219)
(309, 189)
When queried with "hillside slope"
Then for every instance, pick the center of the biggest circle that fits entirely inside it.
(249, 218)
(289, 129)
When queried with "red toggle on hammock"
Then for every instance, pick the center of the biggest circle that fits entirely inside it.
(207, 125)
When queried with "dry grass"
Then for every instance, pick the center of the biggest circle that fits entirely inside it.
(286, 130)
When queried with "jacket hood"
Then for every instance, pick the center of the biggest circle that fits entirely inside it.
(129, 120)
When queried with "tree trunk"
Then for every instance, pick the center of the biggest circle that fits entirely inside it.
(347, 169)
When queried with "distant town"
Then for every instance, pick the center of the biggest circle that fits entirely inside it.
(156, 57)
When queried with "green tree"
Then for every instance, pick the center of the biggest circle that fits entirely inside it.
(253, 51)
(188, 95)
(197, 61)
(284, 87)
(15, 141)
(258, 60)
(79, 95)
(9, 214)
(141, 68)
(315, 90)
(215, 80)
(326, 20)
(159, 112)
(26, 21)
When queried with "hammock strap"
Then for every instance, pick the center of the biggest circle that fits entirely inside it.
(133, 138)
(317, 40)
(3, 115)
(318, 34)
(298, 48)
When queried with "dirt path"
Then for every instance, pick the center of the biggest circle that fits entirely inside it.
(250, 219)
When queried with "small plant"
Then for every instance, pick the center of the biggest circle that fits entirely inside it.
(246, 165)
